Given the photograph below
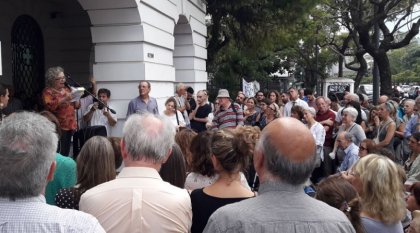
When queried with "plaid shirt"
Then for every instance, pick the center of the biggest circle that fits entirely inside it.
(34, 215)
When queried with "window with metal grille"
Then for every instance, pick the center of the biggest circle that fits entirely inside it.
(27, 61)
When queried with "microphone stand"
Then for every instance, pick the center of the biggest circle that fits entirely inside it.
(93, 96)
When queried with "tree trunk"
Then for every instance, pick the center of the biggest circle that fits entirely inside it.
(340, 66)
(384, 72)
(361, 71)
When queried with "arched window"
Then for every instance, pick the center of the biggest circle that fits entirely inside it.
(27, 60)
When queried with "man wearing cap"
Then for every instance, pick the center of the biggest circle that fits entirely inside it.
(229, 115)
(283, 166)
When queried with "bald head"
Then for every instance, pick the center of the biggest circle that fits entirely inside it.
(288, 136)
(289, 150)
(382, 99)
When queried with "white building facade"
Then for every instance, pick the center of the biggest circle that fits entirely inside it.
(119, 42)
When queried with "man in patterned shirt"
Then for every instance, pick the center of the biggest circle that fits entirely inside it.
(28, 144)
(229, 115)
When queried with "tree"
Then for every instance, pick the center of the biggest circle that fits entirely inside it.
(246, 36)
(364, 15)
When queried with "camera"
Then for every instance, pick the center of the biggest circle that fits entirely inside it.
(100, 106)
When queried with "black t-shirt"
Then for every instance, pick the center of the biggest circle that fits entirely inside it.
(193, 104)
(202, 112)
(203, 206)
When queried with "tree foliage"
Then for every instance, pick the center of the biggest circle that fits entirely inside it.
(246, 37)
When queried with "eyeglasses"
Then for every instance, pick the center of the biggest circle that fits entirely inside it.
(274, 109)
(199, 96)
(362, 148)
(60, 78)
(216, 102)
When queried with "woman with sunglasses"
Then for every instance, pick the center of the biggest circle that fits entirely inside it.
(270, 113)
(366, 147)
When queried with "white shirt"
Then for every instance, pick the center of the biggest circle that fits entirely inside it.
(289, 105)
(174, 120)
(318, 132)
(98, 118)
(35, 215)
(138, 200)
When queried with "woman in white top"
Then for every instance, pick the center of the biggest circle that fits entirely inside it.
(177, 119)
(317, 131)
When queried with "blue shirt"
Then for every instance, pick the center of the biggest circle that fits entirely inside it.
(137, 105)
(411, 125)
(350, 157)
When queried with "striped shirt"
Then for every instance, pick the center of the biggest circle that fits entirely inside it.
(228, 118)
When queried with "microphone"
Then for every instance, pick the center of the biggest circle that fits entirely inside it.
(76, 83)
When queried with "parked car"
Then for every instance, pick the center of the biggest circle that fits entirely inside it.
(366, 89)
(413, 92)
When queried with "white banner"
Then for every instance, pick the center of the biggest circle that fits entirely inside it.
(250, 88)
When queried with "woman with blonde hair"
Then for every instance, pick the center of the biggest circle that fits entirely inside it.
(376, 178)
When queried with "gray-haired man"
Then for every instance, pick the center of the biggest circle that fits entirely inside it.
(139, 200)
(28, 144)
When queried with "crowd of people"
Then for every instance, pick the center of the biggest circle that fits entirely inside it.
(273, 162)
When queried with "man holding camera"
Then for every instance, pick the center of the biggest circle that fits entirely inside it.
(99, 114)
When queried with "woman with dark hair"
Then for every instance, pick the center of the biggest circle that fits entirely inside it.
(274, 97)
(251, 115)
(174, 115)
(340, 194)
(412, 165)
(174, 170)
(184, 138)
(230, 155)
(95, 165)
(413, 199)
(58, 99)
(297, 112)
(370, 126)
(366, 147)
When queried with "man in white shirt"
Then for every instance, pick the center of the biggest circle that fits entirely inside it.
(138, 200)
(99, 114)
(294, 100)
(27, 155)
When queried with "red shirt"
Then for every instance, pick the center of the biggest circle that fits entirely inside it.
(64, 112)
(328, 135)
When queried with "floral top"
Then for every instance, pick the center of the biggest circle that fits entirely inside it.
(64, 112)
(251, 119)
